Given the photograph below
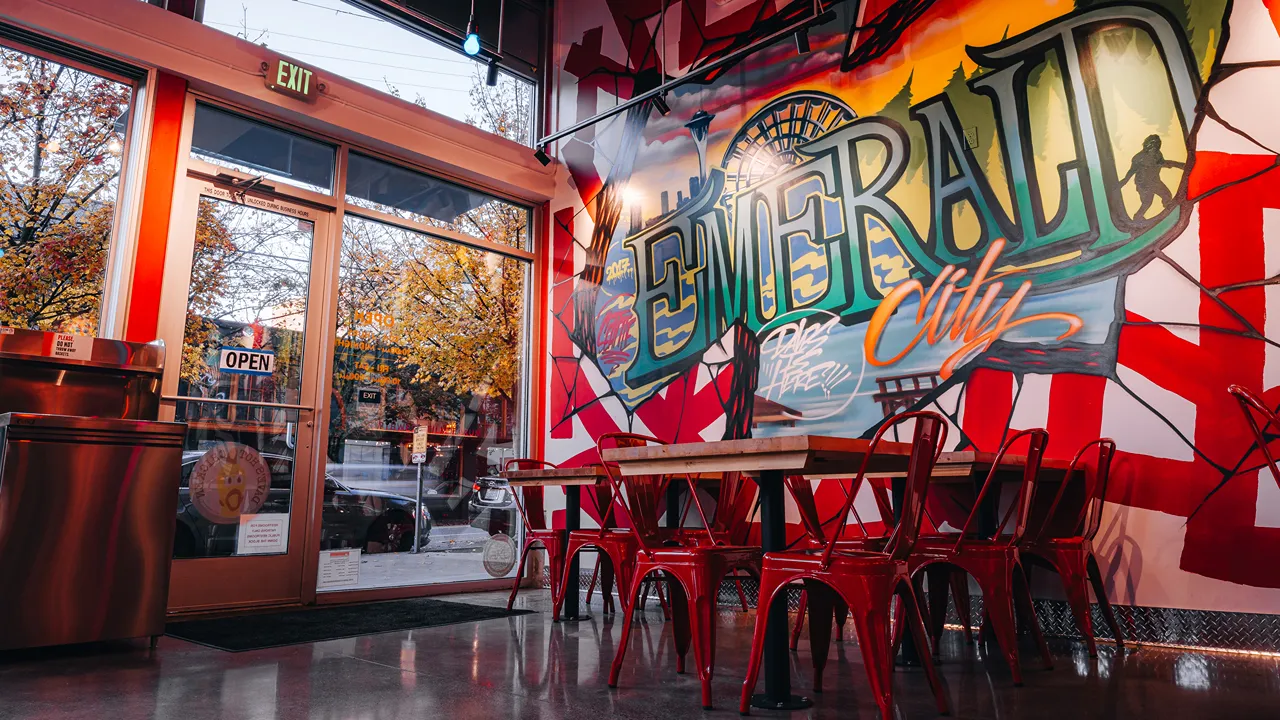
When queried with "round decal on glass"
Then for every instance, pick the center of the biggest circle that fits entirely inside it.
(499, 555)
(228, 481)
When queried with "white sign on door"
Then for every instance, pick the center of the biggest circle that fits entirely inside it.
(339, 568)
(266, 534)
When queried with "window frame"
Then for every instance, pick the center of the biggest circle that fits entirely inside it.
(117, 274)
(191, 166)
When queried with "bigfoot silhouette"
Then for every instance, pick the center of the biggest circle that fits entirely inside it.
(1145, 171)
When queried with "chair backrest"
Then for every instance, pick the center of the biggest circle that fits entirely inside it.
(530, 501)
(1254, 408)
(1037, 439)
(1090, 517)
(637, 496)
(802, 492)
(930, 436)
(736, 505)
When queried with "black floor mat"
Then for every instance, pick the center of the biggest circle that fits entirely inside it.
(255, 632)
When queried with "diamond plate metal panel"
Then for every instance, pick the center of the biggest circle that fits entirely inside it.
(1166, 626)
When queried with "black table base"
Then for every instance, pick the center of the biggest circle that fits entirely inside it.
(573, 586)
(777, 656)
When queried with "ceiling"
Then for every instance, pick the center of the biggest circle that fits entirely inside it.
(524, 26)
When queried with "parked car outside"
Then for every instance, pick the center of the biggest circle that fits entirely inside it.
(492, 507)
(371, 520)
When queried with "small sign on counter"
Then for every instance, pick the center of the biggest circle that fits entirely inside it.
(266, 534)
(339, 568)
(66, 345)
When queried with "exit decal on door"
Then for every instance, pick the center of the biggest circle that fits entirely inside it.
(246, 362)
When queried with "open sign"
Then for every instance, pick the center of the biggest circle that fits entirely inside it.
(246, 362)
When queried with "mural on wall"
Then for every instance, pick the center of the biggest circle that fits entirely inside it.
(1049, 214)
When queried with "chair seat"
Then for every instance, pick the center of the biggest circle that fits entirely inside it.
(730, 554)
(1063, 543)
(860, 562)
(614, 535)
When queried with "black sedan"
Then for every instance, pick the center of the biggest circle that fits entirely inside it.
(370, 520)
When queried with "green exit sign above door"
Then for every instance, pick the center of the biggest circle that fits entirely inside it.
(290, 78)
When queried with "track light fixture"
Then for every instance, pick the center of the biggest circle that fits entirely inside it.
(491, 75)
(660, 103)
(802, 41)
(541, 154)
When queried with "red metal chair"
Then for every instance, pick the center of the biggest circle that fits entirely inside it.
(619, 546)
(1253, 408)
(1072, 556)
(737, 501)
(995, 562)
(530, 503)
(695, 566)
(866, 580)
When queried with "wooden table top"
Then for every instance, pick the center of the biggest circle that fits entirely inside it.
(798, 454)
(589, 475)
(967, 463)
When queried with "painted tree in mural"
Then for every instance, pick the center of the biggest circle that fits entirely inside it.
(61, 135)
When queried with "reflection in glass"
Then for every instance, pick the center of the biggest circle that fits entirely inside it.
(249, 279)
(411, 195)
(240, 143)
(237, 475)
(61, 148)
(429, 336)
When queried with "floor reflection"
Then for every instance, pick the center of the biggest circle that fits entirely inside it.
(529, 667)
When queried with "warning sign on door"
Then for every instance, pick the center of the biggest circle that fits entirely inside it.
(339, 568)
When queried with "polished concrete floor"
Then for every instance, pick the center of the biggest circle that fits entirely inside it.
(528, 667)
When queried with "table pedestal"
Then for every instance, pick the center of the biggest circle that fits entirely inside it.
(572, 521)
(777, 656)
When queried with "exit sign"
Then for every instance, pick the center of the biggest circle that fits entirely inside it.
(290, 78)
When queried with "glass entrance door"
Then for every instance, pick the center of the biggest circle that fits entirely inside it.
(243, 377)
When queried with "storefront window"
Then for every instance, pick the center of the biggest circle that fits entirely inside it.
(429, 338)
(253, 147)
(345, 40)
(62, 137)
(410, 195)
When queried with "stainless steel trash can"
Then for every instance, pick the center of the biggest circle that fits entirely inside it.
(86, 527)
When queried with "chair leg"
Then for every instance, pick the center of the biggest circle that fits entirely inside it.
(800, 612)
(662, 600)
(591, 587)
(997, 600)
(1100, 591)
(680, 624)
(606, 583)
(939, 577)
(515, 586)
(742, 596)
(960, 595)
(1075, 582)
(558, 594)
(842, 614)
(1022, 595)
(821, 611)
(703, 625)
(768, 585)
(628, 608)
(871, 623)
(911, 605)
